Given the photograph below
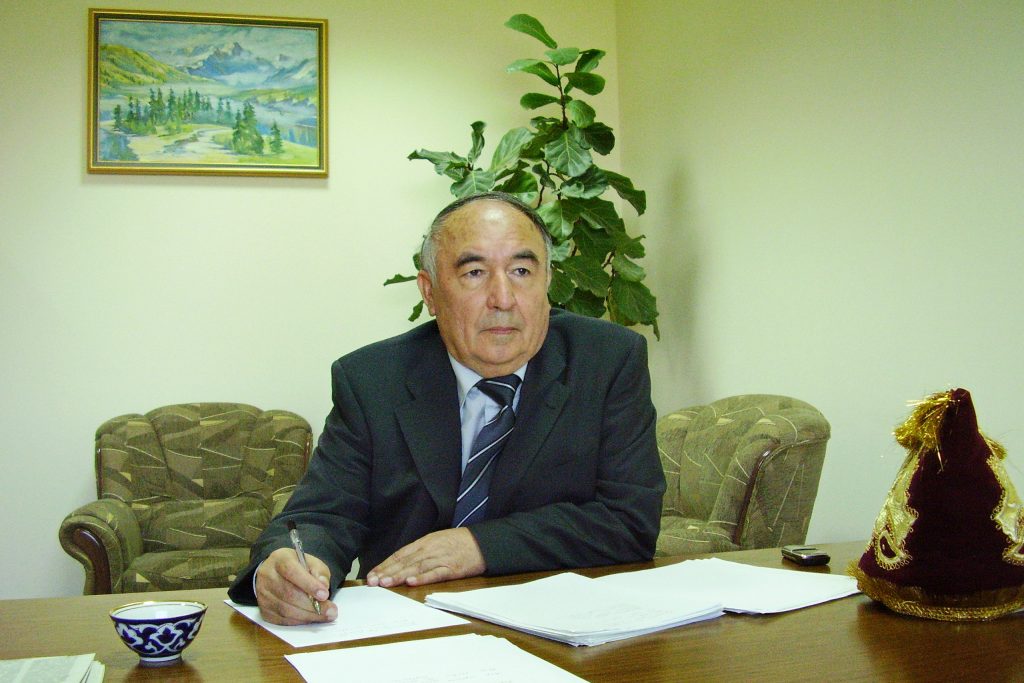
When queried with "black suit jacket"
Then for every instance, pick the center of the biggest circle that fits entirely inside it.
(578, 483)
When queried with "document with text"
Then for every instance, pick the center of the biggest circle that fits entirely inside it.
(468, 658)
(363, 612)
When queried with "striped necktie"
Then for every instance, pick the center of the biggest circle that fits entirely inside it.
(472, 501)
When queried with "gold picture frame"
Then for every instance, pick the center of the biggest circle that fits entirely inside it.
(206, 94)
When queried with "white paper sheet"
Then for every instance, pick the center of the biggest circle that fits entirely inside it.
(739, 587)
(578, 610)
(363, 612)
(469, 658)
(60, 669)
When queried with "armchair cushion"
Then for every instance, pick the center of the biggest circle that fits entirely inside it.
(200, 524)
(181, 569)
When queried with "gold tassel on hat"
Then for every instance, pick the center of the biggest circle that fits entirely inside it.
(920, 432)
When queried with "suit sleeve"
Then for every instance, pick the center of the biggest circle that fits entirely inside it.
(621, 523)
(331, 503)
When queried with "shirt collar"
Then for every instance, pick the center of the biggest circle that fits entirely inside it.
(467, 379)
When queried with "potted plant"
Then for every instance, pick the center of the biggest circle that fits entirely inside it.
(550, 165)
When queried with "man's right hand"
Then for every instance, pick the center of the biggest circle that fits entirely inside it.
(284, 588)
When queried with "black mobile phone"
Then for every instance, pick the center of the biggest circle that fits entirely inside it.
(805, 555)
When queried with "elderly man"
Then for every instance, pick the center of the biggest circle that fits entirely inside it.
(550, 411)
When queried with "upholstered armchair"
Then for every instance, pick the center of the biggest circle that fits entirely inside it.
(184, 491)
(742, 472)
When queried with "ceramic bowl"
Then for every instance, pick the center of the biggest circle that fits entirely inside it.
(158, 631)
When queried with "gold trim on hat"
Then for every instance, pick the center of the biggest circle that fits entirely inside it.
(916, 602)
(894, 522)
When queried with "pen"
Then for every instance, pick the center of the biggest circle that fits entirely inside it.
(293, 533)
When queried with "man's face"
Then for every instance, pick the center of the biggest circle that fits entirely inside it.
(491, 291)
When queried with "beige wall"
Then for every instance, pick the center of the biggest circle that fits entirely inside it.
(834, 214)
(837, 213)
(122, 293)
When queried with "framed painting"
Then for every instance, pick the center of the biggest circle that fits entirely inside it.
(176, 93)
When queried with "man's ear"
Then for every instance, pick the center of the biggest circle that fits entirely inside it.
(426, 290)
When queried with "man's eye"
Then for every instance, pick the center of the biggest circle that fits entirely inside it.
(475, 272)
(521, 271)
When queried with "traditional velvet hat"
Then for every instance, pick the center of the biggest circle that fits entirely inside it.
(948, 542)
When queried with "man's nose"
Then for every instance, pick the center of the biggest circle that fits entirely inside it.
(500, 294)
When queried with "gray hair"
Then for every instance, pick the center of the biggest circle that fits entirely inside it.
(428, 251)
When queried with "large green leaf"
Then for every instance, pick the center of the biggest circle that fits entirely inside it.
(524, 23)
(561, 288)
(561, 251)
(445, 163)
(567, 154)
(629, 246)
(535, 67)
(476, 181)
(559, 219)
(589, 60)
(585, 303)
(592, 84)
(580, 113)
(532, 100)
(599, 137)
(523, 185)
(591, 184)
(478, 141)
(587, 273)
(594, 244)
(631, 302)
(624, 187)
(547, 129)
(600, 214)
(506, 154)
(563, 56)
(627, 270)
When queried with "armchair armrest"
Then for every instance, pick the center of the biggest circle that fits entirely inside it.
(104, 536)
(780, 494)
(772, 481)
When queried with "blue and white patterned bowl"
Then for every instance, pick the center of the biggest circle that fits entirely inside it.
(158, 631)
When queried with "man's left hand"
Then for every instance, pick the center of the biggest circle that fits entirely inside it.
(439, 556)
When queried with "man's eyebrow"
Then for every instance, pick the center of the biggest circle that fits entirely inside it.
(471, 257)
(527, 255)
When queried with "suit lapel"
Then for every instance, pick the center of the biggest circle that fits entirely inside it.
(544, 394)
(431, 426)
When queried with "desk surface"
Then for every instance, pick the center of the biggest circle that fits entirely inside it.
(849, 639)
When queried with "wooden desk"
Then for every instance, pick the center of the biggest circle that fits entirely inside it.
(850, 639)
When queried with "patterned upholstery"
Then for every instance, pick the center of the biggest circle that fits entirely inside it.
(742, 473)
(183, 492)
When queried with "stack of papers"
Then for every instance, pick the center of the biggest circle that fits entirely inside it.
(739, 587)
(363, 612)
(70, 669)
(581, 611)
(467, 659)
(578, 610)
